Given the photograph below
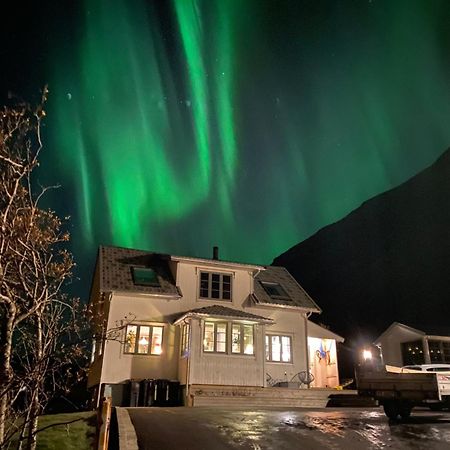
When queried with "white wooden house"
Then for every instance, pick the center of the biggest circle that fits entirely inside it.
(203, 322)
(402, 345)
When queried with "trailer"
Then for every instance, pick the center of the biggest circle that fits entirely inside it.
(400, 390)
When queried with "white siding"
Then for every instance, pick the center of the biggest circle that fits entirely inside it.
(390, 344)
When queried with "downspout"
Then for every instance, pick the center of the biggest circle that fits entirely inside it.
(188, 368)
(307, 316)
(263, 353)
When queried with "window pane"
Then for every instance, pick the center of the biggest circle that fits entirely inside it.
(157, 333)
(286, 348)
(145, 276)
(130, 340)
(276, 348)
(248, 339)
(215, 286)
(208, 340)
(144, 338)
(204, 284)
(267, 349)
(236, 339)
(221, 337)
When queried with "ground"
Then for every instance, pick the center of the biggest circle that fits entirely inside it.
(276, 428)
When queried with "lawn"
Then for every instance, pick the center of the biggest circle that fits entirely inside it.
(79, 435)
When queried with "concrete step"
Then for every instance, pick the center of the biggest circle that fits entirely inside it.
(209, 395)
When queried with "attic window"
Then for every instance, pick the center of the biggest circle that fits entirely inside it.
(275, 290)
(144, 276)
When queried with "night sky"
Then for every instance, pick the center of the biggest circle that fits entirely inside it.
(177, 125)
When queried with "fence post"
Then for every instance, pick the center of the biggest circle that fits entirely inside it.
(104, 422)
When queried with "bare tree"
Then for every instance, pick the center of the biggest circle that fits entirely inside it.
(35, 318)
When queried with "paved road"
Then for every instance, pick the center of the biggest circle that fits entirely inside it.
(280, 429)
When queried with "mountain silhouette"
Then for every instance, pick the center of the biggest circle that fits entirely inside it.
(388, 260)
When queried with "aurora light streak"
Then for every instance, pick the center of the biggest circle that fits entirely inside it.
(176, 126)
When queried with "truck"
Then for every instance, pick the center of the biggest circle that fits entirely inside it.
(399, 390)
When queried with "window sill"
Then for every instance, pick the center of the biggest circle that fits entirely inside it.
(233, 355)
(278, 363)
(207, 299)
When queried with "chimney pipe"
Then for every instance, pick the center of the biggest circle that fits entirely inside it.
(215, 252)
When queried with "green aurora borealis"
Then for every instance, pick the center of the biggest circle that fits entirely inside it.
(176, 126)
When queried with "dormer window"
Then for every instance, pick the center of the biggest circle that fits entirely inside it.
(215, 286)
(144, 276)
(275, 290)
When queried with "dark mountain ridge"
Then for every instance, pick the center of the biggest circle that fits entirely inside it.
(388, 260)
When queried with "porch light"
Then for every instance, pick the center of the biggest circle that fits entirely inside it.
(367, 355)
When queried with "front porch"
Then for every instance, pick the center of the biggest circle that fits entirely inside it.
(259, 397)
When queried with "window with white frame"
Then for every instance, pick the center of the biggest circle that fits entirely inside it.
(224, 337)
(144, 339)
(278, 348)
(185, 339)
(215, 337)
(242, 339)
(215, 285)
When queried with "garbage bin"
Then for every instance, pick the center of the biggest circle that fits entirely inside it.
(174, 393)
(161, 393)
(143, 392)
(134, 393)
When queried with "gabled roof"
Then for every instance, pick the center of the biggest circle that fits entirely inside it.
(116, 265)
(223, 312)
(298, 298)
(429, 331)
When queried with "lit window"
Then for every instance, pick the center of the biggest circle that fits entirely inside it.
(221, 337)
(236, 339)
(278, 348)
(215, 285)
(242, 339)
(217, 335)
(185, 339)
(275, 290)
(144, 276)
(144, 339)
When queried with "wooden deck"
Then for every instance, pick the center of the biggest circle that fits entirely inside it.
(247, 396)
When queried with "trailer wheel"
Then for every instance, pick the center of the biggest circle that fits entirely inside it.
(391, 409)
(405, 410)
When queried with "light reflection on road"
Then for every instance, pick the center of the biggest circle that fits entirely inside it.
(335, 429)
(280, 429)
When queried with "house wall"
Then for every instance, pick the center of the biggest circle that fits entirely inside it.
(237, 370)
(288, 322)
(188, 279)
(119, 366)
(228, 369)
(390, 344)
(98, 311)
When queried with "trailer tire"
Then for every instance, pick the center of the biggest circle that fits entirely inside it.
(405, 410)
(391, 409)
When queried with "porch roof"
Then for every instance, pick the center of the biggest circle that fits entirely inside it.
(223, 312)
